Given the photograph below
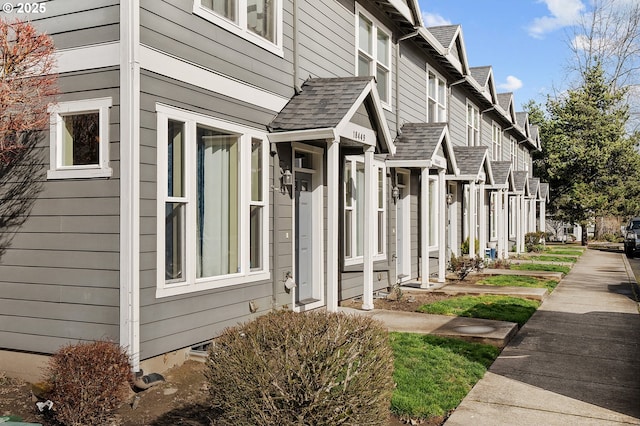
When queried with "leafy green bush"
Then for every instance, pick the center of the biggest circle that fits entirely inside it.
(289, 368)
(89, 381)
(534, 241)
(464, 246)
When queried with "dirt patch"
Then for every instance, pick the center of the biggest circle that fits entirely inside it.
(182, 398)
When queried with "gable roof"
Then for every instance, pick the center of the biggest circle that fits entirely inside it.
(484, 77)
(418, 144)
(505, 101)
(473, 162)
(502, 175)
(522, 120)
(521, 182)
(535, 136)
(326, 106)
(451, 39)
(534, 187)
(544, 191)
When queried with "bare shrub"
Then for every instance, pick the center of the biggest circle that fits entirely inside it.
(89, 381)
(289, 368)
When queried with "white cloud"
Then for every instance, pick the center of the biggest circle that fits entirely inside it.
(434, 20)
(512, 84)
(562, 13)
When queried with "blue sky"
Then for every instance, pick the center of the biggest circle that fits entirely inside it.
(525, 41)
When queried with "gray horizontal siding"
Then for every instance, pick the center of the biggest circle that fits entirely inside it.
(73, 24)
(173, 28)
(413, 86)
(458, 118)
(59, 274)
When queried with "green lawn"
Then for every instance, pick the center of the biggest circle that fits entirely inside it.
(433, 374)
(540, 267)
(569, 251)
(552, 258)
(501, 308)
(519, 281)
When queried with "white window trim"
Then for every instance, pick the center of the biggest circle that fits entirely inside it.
(493, 216)
(246, 275)
(514, 156)
(475, 126)
(496, 136)
(240, 28)
(376, 27)
(57, 111)
(439, 102)
(358, 260)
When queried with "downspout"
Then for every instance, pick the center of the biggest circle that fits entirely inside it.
(296, 47)
(273, 153)
(130, 179)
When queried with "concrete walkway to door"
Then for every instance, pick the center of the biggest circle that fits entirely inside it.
(575, 362)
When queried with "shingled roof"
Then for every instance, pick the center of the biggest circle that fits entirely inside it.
(544, 191)
(534, 184)
(471, 160)
(501, 171)
(480, 74)
(445, 34)
(520, 179)
(322, 103)
(419, 141)
(504, 100)
(329, 104)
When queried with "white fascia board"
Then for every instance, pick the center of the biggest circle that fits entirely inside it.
(496, 187)
(429, 38)
(403, 9)
(303, 135)
(422, 164)
(93, 56)
(179, 69)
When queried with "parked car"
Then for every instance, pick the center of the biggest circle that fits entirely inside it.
(632, 237)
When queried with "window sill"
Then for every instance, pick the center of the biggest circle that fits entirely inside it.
(234, 28)
(210, 284)
(79, 173)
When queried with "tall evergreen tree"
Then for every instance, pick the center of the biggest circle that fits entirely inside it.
(589, 160)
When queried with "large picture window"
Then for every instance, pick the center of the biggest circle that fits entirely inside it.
(354, 211)
(212, 206)
(374, 54)
(79, 139)
(259, 21)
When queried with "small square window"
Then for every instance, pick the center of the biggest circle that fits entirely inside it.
(79, 139)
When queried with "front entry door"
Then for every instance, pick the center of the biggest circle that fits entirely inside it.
(403, 229)
(304, 237)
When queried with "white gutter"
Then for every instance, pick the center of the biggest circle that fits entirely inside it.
(130, 179)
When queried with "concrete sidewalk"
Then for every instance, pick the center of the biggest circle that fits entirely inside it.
(576, 360)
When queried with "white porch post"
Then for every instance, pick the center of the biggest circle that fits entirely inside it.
(482, 220)
(499, 212)
(442, 226)
(333, 196)
(505, 224)
(521, 222)
(369, 207)
(473, 216)
(543, 216)
(424, 230)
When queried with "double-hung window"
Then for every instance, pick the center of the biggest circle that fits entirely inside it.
(496, 136)
(373, 56)
(79, 139)
(514, 156)
(259, 21)
(473, 125)
(354, 211)
(436, 98)
(212, 203)
(493, 212)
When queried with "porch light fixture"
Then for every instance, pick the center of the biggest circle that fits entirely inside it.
(286, 180)
(395, 193)
(449, 199)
